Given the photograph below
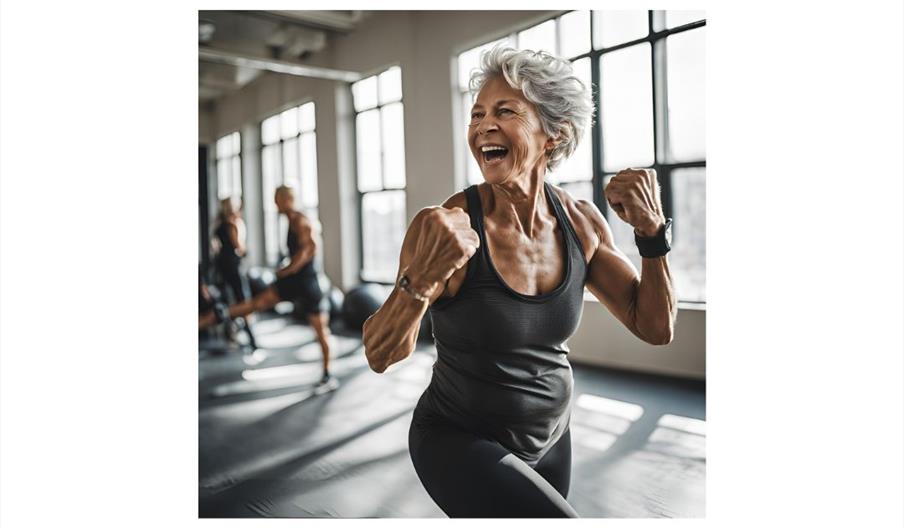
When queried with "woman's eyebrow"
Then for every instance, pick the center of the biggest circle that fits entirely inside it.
(498, 103)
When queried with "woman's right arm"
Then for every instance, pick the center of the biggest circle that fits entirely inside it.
(438, 242)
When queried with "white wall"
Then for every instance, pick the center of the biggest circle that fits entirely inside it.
(603, 340)
(424, 44)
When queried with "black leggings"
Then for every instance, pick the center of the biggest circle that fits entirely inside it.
(233, 279)
(468, 475)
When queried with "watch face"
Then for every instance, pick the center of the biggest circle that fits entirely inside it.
(668, 234)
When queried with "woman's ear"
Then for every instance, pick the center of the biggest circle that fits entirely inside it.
(551, 144)
(555, 141)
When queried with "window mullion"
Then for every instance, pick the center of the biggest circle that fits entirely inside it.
(597, 136)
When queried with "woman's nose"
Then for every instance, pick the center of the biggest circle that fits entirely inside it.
(487, 124)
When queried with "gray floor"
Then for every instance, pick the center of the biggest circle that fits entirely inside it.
(269, 447)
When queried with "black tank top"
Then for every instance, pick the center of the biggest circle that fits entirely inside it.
(227, 255)
(501, 368)
(294, 247)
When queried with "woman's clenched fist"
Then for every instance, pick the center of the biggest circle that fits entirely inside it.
(634, 196)
(445, 242)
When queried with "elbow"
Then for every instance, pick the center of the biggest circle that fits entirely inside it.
(662, 341)
(663, 338)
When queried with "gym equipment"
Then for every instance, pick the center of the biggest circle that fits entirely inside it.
(362, 302)
(337, 298)
(259, 279)
(334, 294)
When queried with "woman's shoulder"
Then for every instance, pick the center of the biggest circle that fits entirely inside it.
(456, 200)
(584, 216)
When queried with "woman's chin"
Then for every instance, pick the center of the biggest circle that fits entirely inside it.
(494, 173)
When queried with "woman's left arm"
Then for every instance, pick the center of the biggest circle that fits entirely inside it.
(645, 304)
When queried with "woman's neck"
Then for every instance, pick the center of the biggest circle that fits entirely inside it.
(520, 201)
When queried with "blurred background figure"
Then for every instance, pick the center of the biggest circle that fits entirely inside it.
(229, 240)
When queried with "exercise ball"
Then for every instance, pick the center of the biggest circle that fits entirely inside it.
(337, 298)
(259, 279)
(362, 302)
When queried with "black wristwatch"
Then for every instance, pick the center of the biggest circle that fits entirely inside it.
(657, 245)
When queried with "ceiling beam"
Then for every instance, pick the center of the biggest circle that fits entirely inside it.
(339, 21)
(275, 65)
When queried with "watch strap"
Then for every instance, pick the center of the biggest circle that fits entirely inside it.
(654, 246)
(404, 284)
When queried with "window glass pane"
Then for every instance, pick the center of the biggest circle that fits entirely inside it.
(290, 162)
(365, 93)
(541, 37)
(224, 147)
(236, 143)
(236, 176)
(470, 59)
(678, 18)
(579, 166)
(224, 181)
(383, 227)
(393, 146)
(391, 85)
(686, 95)
(270, 130)
(574, 33)
(617, 27)
(626, 90)
(306, 115)
(688, 255)
(271, 236)
(622, 232)
(309, 197)
(270, 172)
(288, 123)
(580, 190)
(581, 69)
(368, 138)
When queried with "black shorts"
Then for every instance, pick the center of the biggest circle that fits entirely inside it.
(304, 290)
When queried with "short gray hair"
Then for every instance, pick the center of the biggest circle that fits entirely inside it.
(563, 102)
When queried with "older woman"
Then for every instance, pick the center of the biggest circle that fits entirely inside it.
(502, 267)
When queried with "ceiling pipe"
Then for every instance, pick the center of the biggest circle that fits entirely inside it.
(275, 65)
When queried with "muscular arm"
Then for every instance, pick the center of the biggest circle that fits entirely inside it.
(645, 304)
(237, 236)
(390, 334)
(305, 232)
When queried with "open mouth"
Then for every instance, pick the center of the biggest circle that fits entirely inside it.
(493, 153)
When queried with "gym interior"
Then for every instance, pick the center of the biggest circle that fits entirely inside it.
(364, 114)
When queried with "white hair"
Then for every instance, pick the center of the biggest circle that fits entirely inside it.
(563, 102)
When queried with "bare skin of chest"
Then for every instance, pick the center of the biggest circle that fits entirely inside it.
(530, 266)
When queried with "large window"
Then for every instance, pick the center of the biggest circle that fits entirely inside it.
(288, 157)
(229, 166)
(647, 73)
(379, 128)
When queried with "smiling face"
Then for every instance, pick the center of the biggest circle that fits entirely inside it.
(505, 134)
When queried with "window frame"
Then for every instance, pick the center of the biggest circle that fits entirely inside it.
(282, 171)
(659, 77)
(383, 188)
(230, 157)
